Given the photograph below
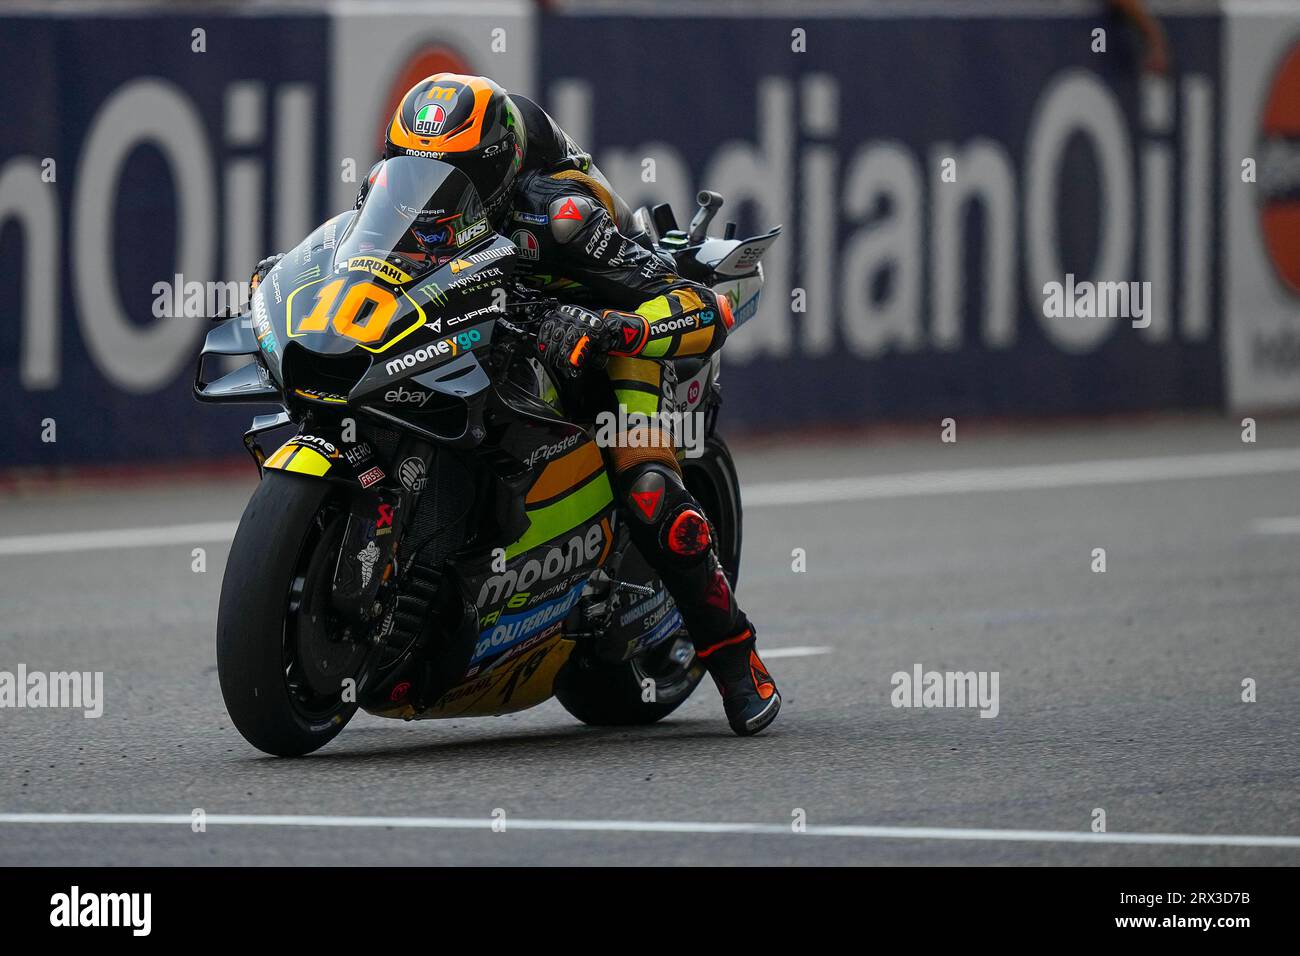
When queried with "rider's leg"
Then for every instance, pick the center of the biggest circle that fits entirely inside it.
(670, 530)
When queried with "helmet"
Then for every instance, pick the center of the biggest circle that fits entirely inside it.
(420, 209)
(469, 122)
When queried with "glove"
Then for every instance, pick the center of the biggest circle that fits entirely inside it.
(260, 273)
(572, 338)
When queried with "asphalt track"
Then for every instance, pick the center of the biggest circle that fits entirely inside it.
(1118, 690)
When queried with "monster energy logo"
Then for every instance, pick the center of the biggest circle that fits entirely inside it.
(434, 292)
(308, 274)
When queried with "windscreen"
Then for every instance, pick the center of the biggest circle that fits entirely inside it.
(418, 214)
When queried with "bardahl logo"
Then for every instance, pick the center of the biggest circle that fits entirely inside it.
(379, 268)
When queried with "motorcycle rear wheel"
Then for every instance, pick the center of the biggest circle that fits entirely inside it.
(613, 694)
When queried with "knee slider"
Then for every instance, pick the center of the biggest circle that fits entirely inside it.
(686, 533)
(656, 497)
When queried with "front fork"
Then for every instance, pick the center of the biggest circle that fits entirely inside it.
(371, 552)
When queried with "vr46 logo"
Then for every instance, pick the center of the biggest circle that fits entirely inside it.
(517, 601)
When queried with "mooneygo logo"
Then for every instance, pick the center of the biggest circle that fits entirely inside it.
(447, 347)
(579, 549)
(682, 322)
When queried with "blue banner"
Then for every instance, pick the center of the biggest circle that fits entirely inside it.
(932, 175)
(935, 178)
(140, 151)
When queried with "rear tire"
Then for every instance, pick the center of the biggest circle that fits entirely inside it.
(281, 558)
(610, 695)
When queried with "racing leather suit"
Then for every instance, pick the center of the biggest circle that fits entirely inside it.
(576, 241)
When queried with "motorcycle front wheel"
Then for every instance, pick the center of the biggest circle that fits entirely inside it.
(281, 659)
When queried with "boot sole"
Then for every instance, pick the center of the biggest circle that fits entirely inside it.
(759, 722)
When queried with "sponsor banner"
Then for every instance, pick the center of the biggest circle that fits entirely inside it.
(1261, 162)
(904, 285)
(137, 150)
(893, 292)
(150, 158)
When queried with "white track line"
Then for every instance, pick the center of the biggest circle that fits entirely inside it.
(822, 491)
(1276, 526)
(1117, 471)
(775, 652)
(657, 826)
(113, 539)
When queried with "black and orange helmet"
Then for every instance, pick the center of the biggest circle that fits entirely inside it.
(468, 122)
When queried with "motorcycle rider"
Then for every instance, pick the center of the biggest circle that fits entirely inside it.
(623, 302)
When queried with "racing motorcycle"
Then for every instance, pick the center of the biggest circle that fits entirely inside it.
(437, 537)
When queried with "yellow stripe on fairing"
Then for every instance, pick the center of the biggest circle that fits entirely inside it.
(280, 456)
(308, 462)
(565, 515)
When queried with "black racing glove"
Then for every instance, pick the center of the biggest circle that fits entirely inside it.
(572, 338)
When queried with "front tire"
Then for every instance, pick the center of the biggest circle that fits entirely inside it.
(274, 593)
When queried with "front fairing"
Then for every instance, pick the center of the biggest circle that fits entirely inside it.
(417, 262)
(400, 326)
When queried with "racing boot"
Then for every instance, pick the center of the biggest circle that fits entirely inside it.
(749, 695)
(672, 533)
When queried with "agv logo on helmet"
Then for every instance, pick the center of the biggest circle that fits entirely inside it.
(429, 120)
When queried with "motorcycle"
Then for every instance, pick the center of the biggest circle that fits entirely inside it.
(438, 538)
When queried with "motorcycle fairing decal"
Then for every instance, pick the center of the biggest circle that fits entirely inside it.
(517, 586)
(565, 473)
(554, 520)
(300, 459)
(571, 490)
(362, 313)
(512, 629)
(529, 681)
(743, 296)
(671, 623)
